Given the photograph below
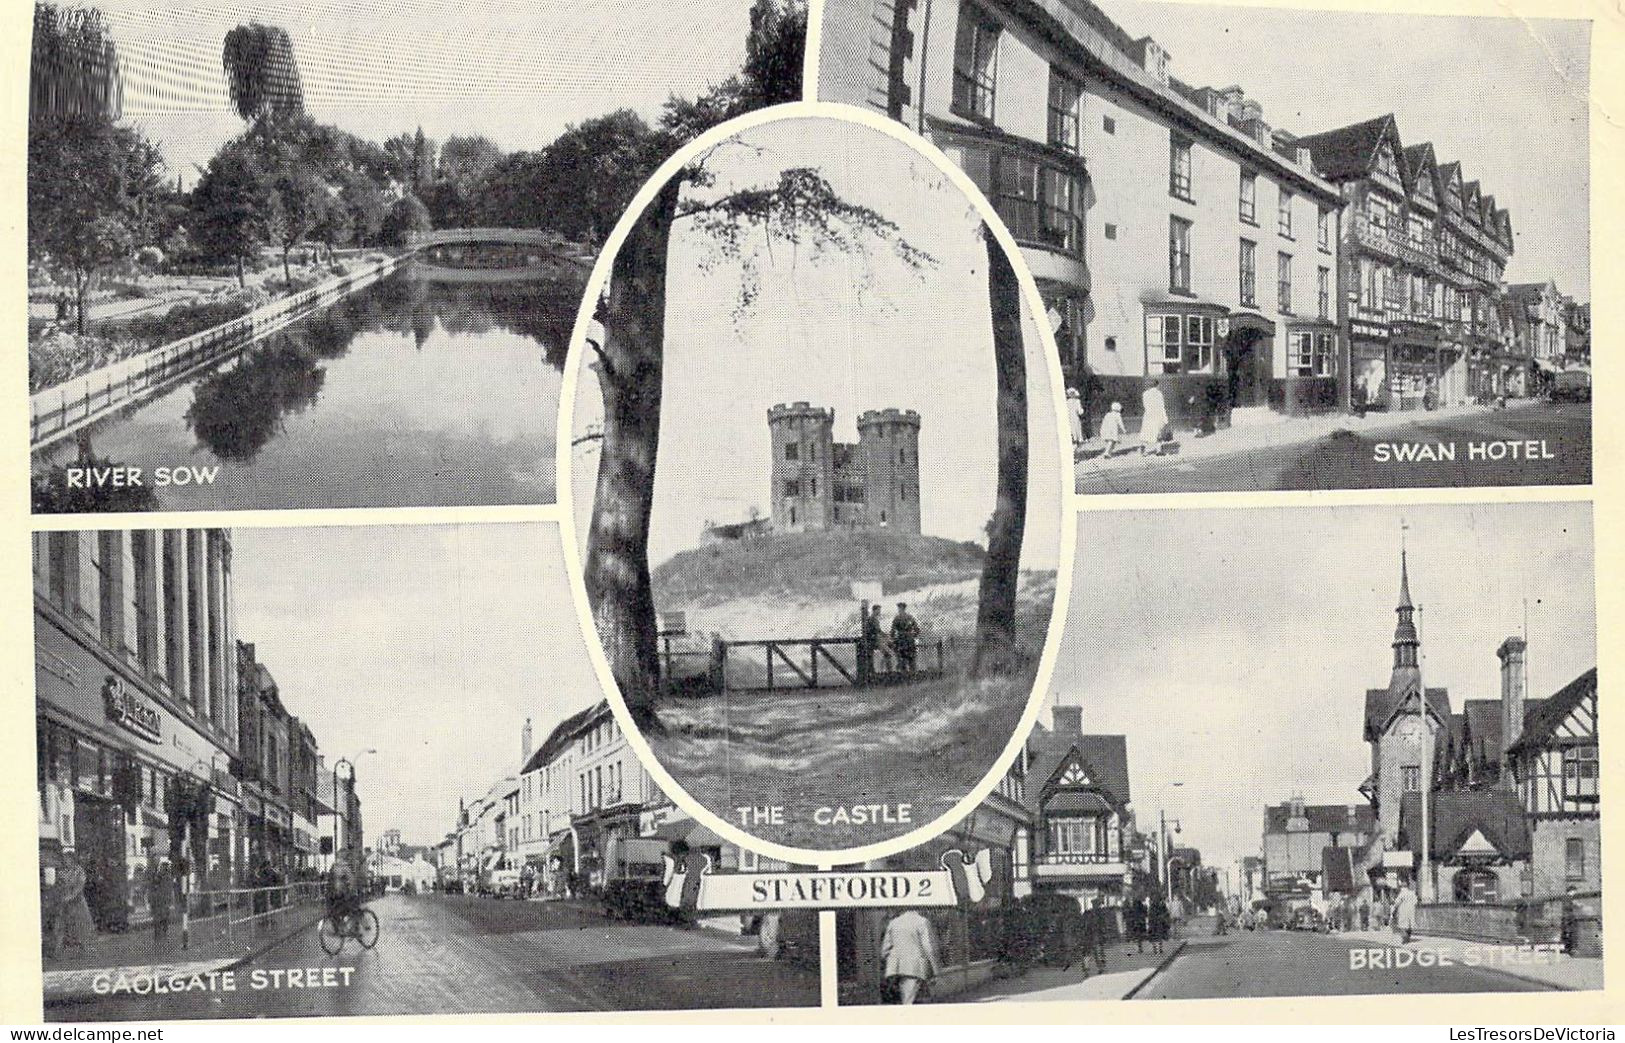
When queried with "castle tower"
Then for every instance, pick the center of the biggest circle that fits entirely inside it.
(889, 454)
(802, 439)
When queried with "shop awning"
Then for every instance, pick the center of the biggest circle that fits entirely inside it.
(1548, 366)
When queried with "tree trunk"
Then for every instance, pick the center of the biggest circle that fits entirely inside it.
(630, 371)
(242, 277)
(81, 294)
(287, 273)
(996, 648)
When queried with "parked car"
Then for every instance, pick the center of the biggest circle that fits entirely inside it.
(1571, 386)
(1307, 918)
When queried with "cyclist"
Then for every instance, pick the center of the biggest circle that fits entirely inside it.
(343, 894)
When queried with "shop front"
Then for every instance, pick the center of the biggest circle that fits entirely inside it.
(1416, 367)
(1368, 366)
(112, 758)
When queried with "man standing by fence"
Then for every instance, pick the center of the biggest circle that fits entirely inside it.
(905, 638)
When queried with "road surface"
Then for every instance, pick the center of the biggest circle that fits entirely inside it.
(446, 954)
(1542, 444)
(1303, 963)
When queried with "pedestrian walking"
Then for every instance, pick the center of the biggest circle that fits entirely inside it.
(1096, 930)
(1134, 920)
(1365, 915)
(1154, 426)
(1159, 923)
(905, 637)
(909, 950)
(160, 900)
(1112, 430)
(767, 935)
(1405, 913)
(1074, 413)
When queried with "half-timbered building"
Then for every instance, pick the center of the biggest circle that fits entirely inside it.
(1554, 768)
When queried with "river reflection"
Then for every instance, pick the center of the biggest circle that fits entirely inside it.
(427, 388)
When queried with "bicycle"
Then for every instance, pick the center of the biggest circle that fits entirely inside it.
(362, 925)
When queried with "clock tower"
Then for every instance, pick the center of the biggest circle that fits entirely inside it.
(1402, 721)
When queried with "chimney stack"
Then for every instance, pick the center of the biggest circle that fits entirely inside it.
(1069, 721)
(524, 744)
(1511, 654)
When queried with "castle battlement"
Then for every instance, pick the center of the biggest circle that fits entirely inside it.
(888, 416)
(799, 411)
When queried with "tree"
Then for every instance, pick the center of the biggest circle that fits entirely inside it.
(360, 195)
(775, 49)
(590, 173)
(74, 69)
(405, 219)
(301, 205)
(233, 208)
(262, 74)
(997, 651)
(801, 209)
(464, 160)
(81, 214)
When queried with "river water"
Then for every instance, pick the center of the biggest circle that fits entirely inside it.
(431, 387)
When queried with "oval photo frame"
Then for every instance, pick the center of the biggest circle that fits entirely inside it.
(798, 435)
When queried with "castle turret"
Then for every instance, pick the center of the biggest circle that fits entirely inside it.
(803, 495)
(889, 451)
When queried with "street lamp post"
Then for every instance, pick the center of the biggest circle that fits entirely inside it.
(1162, 838)
(339, 815)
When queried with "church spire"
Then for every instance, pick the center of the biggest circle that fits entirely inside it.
(1406, 641)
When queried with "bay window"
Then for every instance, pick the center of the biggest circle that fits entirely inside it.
(1179, 342)
(1309, 353)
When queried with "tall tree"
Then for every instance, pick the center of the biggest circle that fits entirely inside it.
(83, 173)
(262, 74)
(997, 650)
(801, 209)
(74, 70)
(232, 208)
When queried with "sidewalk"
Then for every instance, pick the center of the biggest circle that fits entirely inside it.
(134, 956)
(1558, 970)
(1274, 434)
(1127, 969)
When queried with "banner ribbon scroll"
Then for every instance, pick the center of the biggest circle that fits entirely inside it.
(694, 887)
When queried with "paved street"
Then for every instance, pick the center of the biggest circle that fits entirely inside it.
(440, 954)
(1302, 963)
(1348, 459)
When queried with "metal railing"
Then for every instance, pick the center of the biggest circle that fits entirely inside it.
(234, 916)
(56, 412)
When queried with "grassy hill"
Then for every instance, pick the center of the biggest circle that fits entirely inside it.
(814, 565)
(800, 585)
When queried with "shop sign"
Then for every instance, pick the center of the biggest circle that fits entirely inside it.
(128, 709)
(1374, 330)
